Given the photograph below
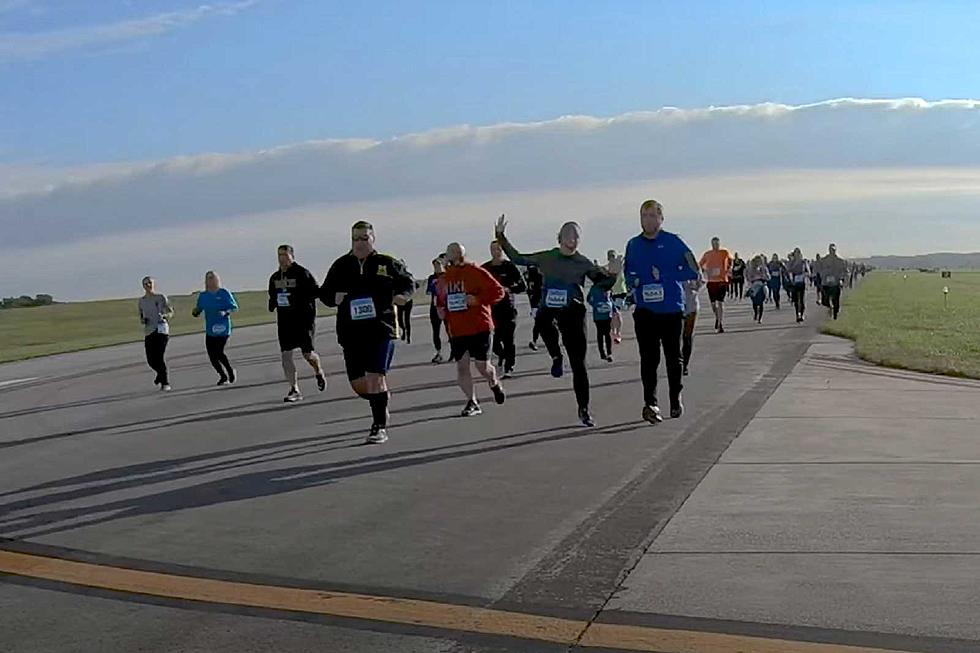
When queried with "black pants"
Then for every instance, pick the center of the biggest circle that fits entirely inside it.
(436, 323)
(687, 346)
(216, 354)
(404, 314)
(775, 287)
(831, 298)
(535, 329)
(504, 329)
(156, 348)
(654, 330)
(799, 298)
(738, 288)
(569, 323)
(603, 329)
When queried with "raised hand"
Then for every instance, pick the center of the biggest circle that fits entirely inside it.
(616, 265)
(501, 225)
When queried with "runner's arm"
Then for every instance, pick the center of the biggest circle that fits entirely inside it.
(515, 256)
(232, 302)
(490, 291)
(168, 309)
(331, 286)
(519, 285)
(272, 296)
(403, 283)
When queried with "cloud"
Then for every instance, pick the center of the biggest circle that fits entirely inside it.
(36, 45)
(882, 175)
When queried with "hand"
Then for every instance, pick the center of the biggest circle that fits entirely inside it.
(196, 312)
(401, 300)
(339, 298)
(615, 266)
(442, 313)
(472, 300)
(501, 226)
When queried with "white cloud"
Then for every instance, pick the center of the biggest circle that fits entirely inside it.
(36, 45)
(884, 175)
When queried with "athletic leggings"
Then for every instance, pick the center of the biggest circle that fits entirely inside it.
(603, 329)
(404, 314)
(759, 302)
(775, 287)
(687, 348)
(831, 298)
(799, 298)
(156, 349)
(504, 329)
(215, 346)
(738, 288)
(569, 324)
(654, 330)
(436, 323)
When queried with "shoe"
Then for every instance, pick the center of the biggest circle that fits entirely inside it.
(472, 409)
(222, 381)
(617, 340)
(558, 367)
(498, 394)
(609, 358)
(437, 359)
(292, 397)
(321, 382)
(232, 376)
(652, 414)
(378, 435)
(676, 408)
(165, 387)
(721, 329)
(686, 371)
(508, 373)
(586, 417)
(533, 346)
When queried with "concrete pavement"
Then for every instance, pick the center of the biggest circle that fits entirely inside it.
(520, 510)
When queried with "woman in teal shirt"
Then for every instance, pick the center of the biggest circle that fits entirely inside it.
(217, 304)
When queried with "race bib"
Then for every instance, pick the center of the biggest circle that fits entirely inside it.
(219, 329)
(799, 278)
(556, 298)
(363, 309)
(456, 302)
(714, 273)
(830, 280)
(163, 328)
(282, 299)
(603, 308)
(653, 293)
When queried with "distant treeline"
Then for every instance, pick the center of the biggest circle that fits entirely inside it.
(26, 301)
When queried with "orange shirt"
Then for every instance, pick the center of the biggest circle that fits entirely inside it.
(460, 282)
(717, 265)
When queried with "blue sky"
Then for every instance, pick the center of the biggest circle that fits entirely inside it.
(249, 75)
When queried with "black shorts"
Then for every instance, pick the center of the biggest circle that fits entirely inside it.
(368, 357)
(301, 338)
(717, 291)
(477, 346)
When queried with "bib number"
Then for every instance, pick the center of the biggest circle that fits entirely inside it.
(556, 298)
(714, 273)
(363, 309)
(799, 278)
(219, 329)
(653, 293)
(457, 302)
(163, 328)
(282, 300)
(830, 280)
(603, 308)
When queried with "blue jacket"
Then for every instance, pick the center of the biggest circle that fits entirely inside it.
(656, 269)
(217, 308)
(601, 303)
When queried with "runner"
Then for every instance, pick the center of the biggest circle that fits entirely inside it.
(431, 289)
(564, 271)
(535, 285)
(717, 266)
(505, 311)
(758, 277)
(816, 279)
(292, 295)
(603, 312)
(365, 286)
(738, 278)
(832, 271)
(798, 271)
(777, 272)
(217, 304)
(155, 314)
(692, 304)
(403, 316)
(657, 265)
(619, 294)
(466, 294)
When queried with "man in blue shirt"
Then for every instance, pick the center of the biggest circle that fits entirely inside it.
(657, 265)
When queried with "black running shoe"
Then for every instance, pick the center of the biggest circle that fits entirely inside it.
(232, 376)
(498, 394)
(321, 382)
(652, 414)
(558, 367)
(586, 417)
(293, 396)
(676, 408)
(472, 409)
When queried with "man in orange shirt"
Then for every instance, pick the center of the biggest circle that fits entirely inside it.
(466, 294)
(717, 266)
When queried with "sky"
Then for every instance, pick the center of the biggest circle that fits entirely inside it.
(168, 138)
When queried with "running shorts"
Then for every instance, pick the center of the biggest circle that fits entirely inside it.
(294, 337)
(477, 346)
(717, 291)
(368, 357)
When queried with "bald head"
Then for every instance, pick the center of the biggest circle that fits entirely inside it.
(455, 254)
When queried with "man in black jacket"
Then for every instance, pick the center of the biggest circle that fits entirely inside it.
(365, 287)
(292, 296)
(505, 311)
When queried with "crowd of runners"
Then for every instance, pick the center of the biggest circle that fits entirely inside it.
(658, 280)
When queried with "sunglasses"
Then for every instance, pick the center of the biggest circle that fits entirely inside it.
(361, 239)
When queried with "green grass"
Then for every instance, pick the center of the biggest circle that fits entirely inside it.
(902, 322)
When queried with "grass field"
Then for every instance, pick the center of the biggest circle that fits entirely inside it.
(901, 322)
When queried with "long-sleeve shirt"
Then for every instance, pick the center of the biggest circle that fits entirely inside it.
(601, 303)
(508, 276)
(754, 273)
(217, 308)
(833, 270)
(292, 295)
(656, 269)
(155, 313)
(564, 275)
(798, 270)
(456, 287)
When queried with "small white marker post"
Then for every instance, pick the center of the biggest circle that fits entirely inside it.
(946, 296)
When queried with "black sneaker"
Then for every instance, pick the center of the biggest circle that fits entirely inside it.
(232, 376)
(508, 373)
(378, 435)
(676, 408)
(558, 367)
(586, 417)
(222, 381)
(652, 414)
(321, 382)
(472, 409)
(498, 394)
(292, 397)
(533, 346)
(686, 371)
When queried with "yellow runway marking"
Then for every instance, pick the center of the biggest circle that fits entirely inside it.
(410, 612)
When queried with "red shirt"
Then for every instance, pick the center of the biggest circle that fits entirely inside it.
(460, 282)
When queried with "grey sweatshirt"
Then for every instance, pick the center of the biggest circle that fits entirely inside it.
(155, 313)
